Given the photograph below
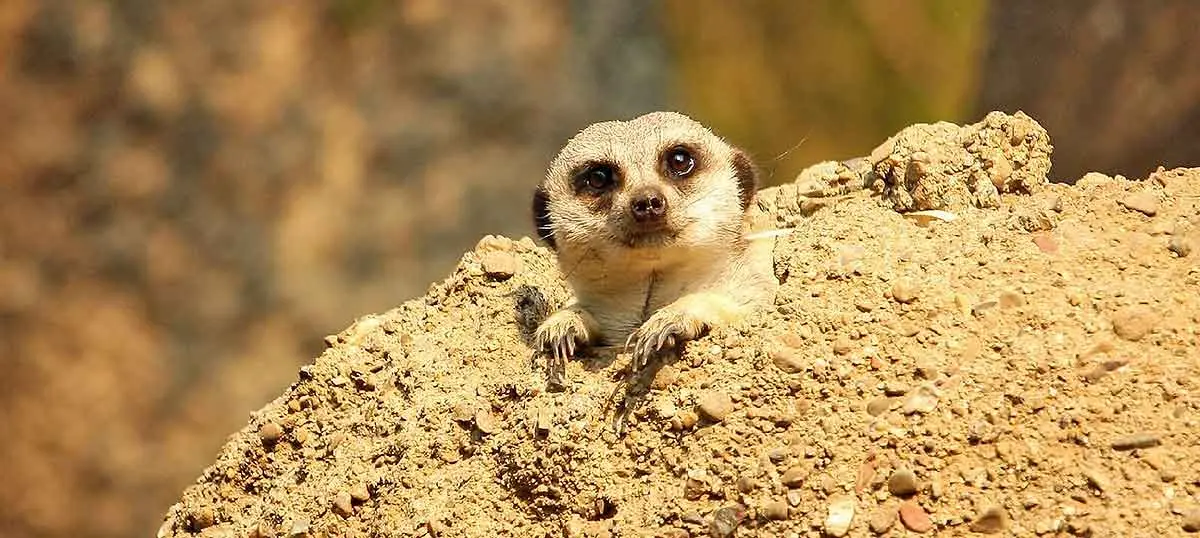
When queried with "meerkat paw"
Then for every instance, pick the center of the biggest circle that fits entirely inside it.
(563, 333)
(664, 331)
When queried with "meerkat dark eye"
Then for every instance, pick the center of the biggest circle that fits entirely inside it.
(679, 162)
(595, 179)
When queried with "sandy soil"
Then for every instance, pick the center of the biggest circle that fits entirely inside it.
(1030, 367)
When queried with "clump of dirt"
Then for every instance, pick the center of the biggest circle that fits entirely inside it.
(945, 166)
(1030, 368)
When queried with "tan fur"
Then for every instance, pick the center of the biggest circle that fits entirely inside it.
(652, 297)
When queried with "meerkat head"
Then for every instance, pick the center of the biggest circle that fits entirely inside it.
(656, 182)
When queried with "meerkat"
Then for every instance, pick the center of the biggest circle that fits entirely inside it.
(649, 219)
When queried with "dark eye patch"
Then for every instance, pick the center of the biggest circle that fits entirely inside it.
(595, 179)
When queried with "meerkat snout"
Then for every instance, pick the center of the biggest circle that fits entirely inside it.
(649, 205)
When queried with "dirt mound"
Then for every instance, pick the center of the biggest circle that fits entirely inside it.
(1030, 368)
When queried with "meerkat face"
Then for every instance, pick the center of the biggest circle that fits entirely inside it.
(656, 182)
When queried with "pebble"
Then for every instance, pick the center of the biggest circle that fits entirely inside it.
(746, 484)
(882, 520)
(914, 517)
(842, 346)
(725, 521)
(499, 265)
(486, 422)
(879, 406)
(921, 400)
(1143, 202)
(841, 514)
(1135, 441)
(905, 292)
(270, 433)
(1011, 299)
(1182, 245)
(787, 359)
(1134, 322)
(202, 518)
(777, 510)
(342, 505)
(360, 493)
(794, 477)
(992, 518)
(1096, 479)
(902, 483)
(715, 406)
(1191, 520)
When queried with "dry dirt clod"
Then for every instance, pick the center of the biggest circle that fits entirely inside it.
(1191, 520)
(360, 493)
(1135, 441)
(882, 519)
(1134, 322)
(787, 359)
(921, 400)
(342, 504)
(914, 517)
(991, 519)
(902, 483)
(715, 406)
(726, 520)
(500, 265)
(841, 515)
(1143, 202)
(201, 518)
(1183, 244)
(486, 422)
(777, 510)
(794, 477)
(270, 433)
(879, 406)
(905, 291)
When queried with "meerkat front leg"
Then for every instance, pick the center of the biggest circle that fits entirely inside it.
(686, 319)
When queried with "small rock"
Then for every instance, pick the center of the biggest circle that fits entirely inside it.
(270, 433)
(342, 504)
(794, 477)
(1134, 322)
(725, 521)
(1135, 441)
(746, 484)
(1182, 244)
(201, 518)
(360, 493)
(1191, 520)
(715, 406)
(463, 412)
(902, 483)
(842, 346)
(921, 400)
(864, 306)
(787, 359)
(1143, 202)
(841, 514)
(1096, 479)
(499, 265)
(879, 406)
(486, 422)
(904, 291)
(1011, 299)
(882, 520)
(777, 510)
(914, 517)
(992, 518)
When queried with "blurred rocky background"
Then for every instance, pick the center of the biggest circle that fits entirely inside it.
(192, 194)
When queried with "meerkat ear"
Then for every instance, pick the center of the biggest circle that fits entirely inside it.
(541, 216)
(747, 176)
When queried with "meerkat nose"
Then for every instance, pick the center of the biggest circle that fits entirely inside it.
(648, 204)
